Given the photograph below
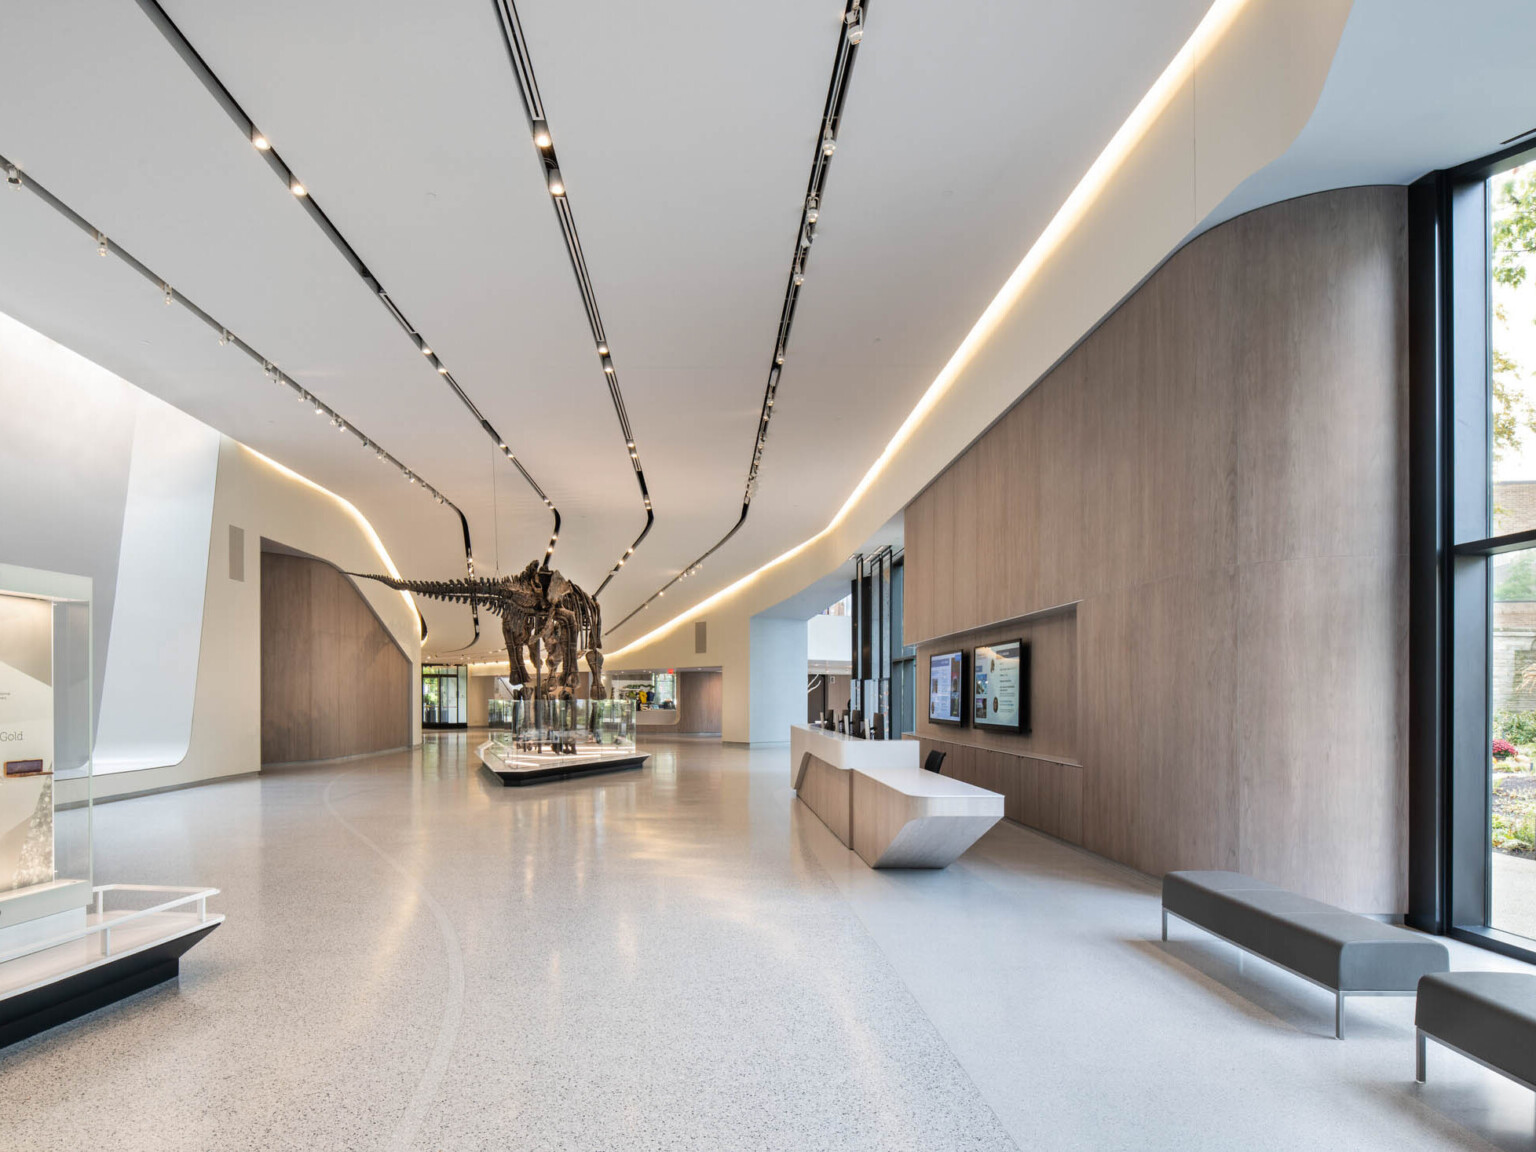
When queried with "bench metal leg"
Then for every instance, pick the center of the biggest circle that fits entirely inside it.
(1338, 1015)
(1418, 1055)
(1165, 924)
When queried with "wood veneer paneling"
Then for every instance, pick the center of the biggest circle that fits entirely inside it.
(1217, 477)
(698, 702)
(333, 680)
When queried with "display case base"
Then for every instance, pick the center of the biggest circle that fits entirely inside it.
(542, 768)
(55, 1002)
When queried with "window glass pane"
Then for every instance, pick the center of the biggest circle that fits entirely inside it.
(1512, 657)
(1512, 352)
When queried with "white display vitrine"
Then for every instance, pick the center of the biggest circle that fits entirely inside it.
(45, 744)
(67, 945)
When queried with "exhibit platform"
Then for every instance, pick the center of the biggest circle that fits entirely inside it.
(59, 967)
(515, 769)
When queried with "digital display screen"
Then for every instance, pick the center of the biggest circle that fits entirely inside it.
(1000, 686)
(946, 688)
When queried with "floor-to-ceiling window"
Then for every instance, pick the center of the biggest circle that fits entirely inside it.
(1511, 292)
(1475, 295)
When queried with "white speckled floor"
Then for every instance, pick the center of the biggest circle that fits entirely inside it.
(684, 958)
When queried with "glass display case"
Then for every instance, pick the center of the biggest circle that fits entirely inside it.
(566, 727)
(551, 739)
(45, 744)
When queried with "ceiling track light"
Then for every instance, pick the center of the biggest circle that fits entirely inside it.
(297, 189)
(524, 75)
(13, 176)
(850, 33)
(223, 337)
(261, 143)
(101, 243)
(855, 21)
(169, 293)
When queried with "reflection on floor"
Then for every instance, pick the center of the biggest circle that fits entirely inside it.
(685, 958)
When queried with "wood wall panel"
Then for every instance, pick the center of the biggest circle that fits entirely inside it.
(698, 702)
(333, 681)
(1216, 480)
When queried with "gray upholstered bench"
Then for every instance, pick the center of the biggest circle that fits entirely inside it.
(1347, 954)
(1489, 1017)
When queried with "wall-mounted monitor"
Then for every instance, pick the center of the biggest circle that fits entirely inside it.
(1000, 686)
(946, 688)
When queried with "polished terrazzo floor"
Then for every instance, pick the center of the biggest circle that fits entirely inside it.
(684, 958)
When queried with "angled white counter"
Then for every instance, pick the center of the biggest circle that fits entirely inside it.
(878, 801)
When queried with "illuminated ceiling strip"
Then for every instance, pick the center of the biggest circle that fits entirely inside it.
(544, 145)
(362, 522)
(1212, 27)
(228, 338)
(305, 197)
(850, 35)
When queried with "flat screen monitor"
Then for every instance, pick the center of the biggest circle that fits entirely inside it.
(946, 688)
(1000, 686)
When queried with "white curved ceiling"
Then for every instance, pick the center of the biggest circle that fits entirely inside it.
(685, 132)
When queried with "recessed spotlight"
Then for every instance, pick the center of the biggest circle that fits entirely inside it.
(541, 136)
(425, 351)
(442, 371)
(608, 365)
(261, 142)
(602, 349)
(298, 189)
(556, 185)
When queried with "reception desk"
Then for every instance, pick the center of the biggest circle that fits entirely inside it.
(876, 799)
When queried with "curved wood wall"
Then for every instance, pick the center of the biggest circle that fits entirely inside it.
(333, 680)
(1214, 484)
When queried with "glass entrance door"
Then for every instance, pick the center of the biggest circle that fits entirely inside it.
(444, 692)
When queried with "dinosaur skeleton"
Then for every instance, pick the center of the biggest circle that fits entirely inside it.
(546, 620)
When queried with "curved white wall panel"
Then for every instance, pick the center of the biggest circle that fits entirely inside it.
(157, 623)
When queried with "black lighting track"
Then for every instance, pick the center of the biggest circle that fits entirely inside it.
(247, 126)
(850, 34)
(19, 180)
(543, 142)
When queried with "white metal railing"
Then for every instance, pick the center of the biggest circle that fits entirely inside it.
(198, 896)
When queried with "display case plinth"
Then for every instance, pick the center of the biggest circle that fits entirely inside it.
(75, 962)
(515, 769)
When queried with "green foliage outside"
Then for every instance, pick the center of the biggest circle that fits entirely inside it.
(1517, 579)
(1514, 834)
(1519, 728)
(1514, 242)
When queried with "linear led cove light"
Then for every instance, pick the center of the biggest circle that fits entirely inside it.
(1212, 27)
(361, 521)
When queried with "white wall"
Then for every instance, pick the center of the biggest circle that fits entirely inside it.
(829, 639)
(145, 715)
(778, 678)
(99, 479)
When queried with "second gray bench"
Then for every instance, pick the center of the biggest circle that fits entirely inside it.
(1347, 954)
